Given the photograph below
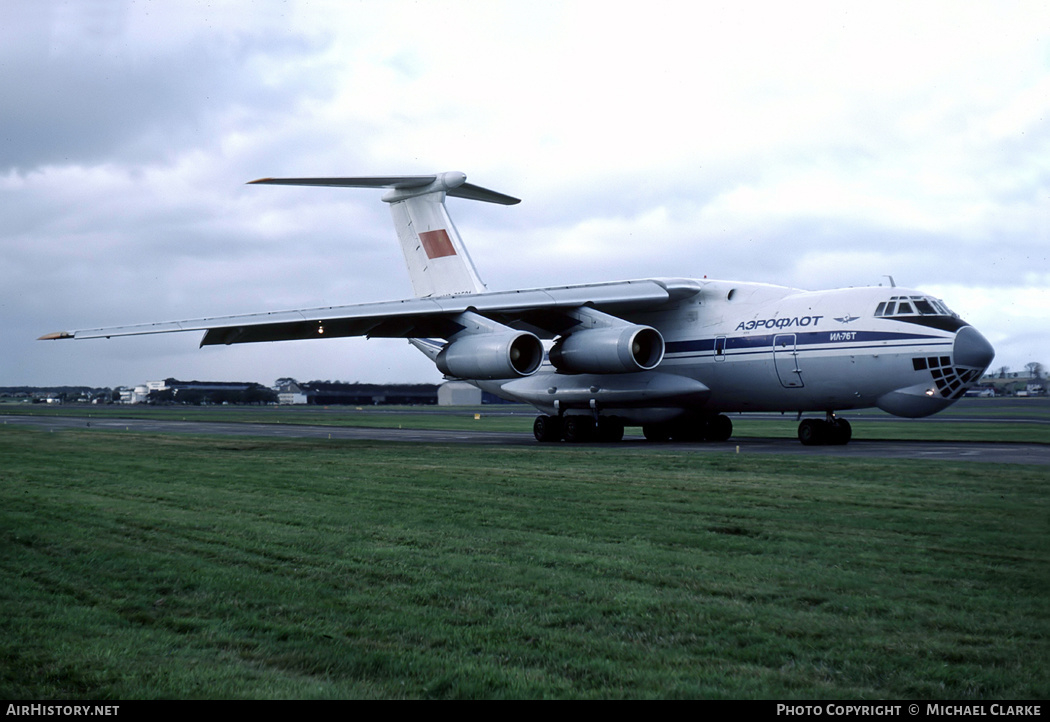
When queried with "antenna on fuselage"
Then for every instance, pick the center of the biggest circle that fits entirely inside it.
(892, 284)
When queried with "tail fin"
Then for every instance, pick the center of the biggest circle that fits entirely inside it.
(438, 262)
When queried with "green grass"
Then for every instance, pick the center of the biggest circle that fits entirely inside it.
(137, 566)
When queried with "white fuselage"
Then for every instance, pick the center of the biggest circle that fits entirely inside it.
(736, 347)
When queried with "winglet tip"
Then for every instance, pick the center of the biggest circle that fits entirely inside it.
(55, 336)
(259, 180)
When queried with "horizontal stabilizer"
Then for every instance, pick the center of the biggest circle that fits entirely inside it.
(477, 193)
(453, 184)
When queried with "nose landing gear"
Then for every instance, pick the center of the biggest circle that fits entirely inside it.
(831, 431)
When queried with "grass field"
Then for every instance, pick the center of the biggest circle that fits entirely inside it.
(138, 566)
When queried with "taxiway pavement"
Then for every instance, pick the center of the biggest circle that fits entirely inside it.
(991, 453)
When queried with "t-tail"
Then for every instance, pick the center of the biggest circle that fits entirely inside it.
(438, 262)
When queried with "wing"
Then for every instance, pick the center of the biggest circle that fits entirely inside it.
(543, 311)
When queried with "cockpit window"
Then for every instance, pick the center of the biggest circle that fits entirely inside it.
(911, 306)
(924, 307)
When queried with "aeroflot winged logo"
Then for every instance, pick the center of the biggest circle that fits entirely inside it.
(848, 318)
(437, 244)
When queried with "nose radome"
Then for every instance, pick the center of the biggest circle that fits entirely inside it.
(972, 349)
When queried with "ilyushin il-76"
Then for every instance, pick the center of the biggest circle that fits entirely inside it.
(671, 355)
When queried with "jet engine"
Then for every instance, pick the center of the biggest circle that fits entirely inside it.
(609, 350)
(487, 356)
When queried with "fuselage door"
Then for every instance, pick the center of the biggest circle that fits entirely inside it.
(720, 348)
(785, 360)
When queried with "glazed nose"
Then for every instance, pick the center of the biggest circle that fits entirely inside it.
(972, 349)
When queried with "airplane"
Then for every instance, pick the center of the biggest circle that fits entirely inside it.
(671, 355)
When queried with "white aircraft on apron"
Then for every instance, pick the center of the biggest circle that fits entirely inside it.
(672, 355)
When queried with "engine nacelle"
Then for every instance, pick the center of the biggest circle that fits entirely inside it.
(609, 350)
(486, 356)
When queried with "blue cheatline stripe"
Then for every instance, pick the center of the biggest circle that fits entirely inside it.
(859, 339)
(764, 352)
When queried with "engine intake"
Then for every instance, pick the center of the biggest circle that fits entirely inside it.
(486, 356)
(611, 350)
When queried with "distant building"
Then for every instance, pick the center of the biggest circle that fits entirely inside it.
(290, 393)
(290, 398)
(197, 392)
(336, 393)
(1034, 390)
(1013, 384)
(134, 395)
(458, 393)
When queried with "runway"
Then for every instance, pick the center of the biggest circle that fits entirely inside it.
(990, 453)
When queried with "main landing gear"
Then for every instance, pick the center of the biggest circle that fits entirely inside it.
(579, 428)
(831, 431)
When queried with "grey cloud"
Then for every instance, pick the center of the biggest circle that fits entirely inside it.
(81, 107)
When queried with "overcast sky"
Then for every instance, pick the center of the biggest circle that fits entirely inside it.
(815, 145)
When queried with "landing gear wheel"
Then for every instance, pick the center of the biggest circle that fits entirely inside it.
(811, 432)
(656, 432)
(841, 432)
(719, 428)
(547, 428)
(818, 432)
(578, 429)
